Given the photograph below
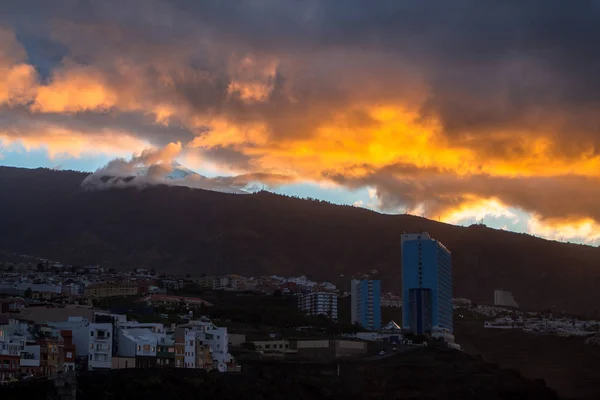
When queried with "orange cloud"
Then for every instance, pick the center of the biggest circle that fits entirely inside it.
(74, 90)
(60, 142)
(563, 229)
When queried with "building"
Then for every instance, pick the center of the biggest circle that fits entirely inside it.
(13, 304)
(30, 361)
(366, 303)
(426, 285)
(93, 341)
(216, 338)
(165, 352)
(185, 348)
(69, 351)
(140, 341)
(110, 289)
(503, 298)
(10, 354)
(155, 300)
(319, 303)
(326, 349)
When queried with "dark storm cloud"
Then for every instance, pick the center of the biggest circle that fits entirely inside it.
(405, 186)
(499, 65)
(22, 123)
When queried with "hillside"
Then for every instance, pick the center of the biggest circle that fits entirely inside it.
(46, 212)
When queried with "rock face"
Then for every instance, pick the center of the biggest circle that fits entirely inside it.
(420, 374)
(47, 213)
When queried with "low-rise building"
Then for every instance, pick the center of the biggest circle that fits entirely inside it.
(111, 289)
(155, 300)
(272, 346)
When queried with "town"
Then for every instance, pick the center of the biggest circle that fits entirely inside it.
(57, 318)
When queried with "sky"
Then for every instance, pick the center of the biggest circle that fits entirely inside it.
(457, 111)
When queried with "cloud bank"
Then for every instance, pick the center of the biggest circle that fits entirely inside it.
(458, 109)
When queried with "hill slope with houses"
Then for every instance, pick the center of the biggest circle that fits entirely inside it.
(182, 230)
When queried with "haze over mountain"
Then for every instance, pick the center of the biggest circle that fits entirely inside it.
(183, 230)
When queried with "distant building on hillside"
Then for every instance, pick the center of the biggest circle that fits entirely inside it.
(504, 298)
(366, 303)
(111, 289)
(319, 303)
(426, 285)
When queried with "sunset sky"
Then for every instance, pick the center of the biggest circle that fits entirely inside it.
(455, 110)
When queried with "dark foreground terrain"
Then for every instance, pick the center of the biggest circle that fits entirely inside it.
(567, 364)
(433, 373)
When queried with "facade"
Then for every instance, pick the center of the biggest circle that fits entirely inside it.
(503, 298)
(165, 354)
(426, 285)
(366, 303)
(110, 289)
(69, 351)
(319, 303)
(93, 341)
(272, 346)
(185, 348)
(30, 361)
(10, 353)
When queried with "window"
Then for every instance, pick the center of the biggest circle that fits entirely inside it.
(108, 334)
(191, 342)
(92, 346)
(69, 354)
(139, 348)
(90, 357)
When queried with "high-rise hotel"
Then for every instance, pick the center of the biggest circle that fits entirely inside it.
(426, 285)
(366, 303)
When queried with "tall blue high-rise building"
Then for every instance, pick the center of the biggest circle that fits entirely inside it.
(366, 303)
(426, 285)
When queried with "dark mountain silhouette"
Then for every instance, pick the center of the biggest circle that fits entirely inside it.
(182, 230)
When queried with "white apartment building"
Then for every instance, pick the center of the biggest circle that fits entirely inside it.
(319, 303)
(135, 339)
(137, 343)
(215, 337)
(185, 347)
(92, 340)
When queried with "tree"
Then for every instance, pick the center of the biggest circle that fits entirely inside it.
(28, 293)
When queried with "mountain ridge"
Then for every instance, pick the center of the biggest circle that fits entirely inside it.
(183, 230)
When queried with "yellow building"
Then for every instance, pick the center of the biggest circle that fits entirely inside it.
(109, 289)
